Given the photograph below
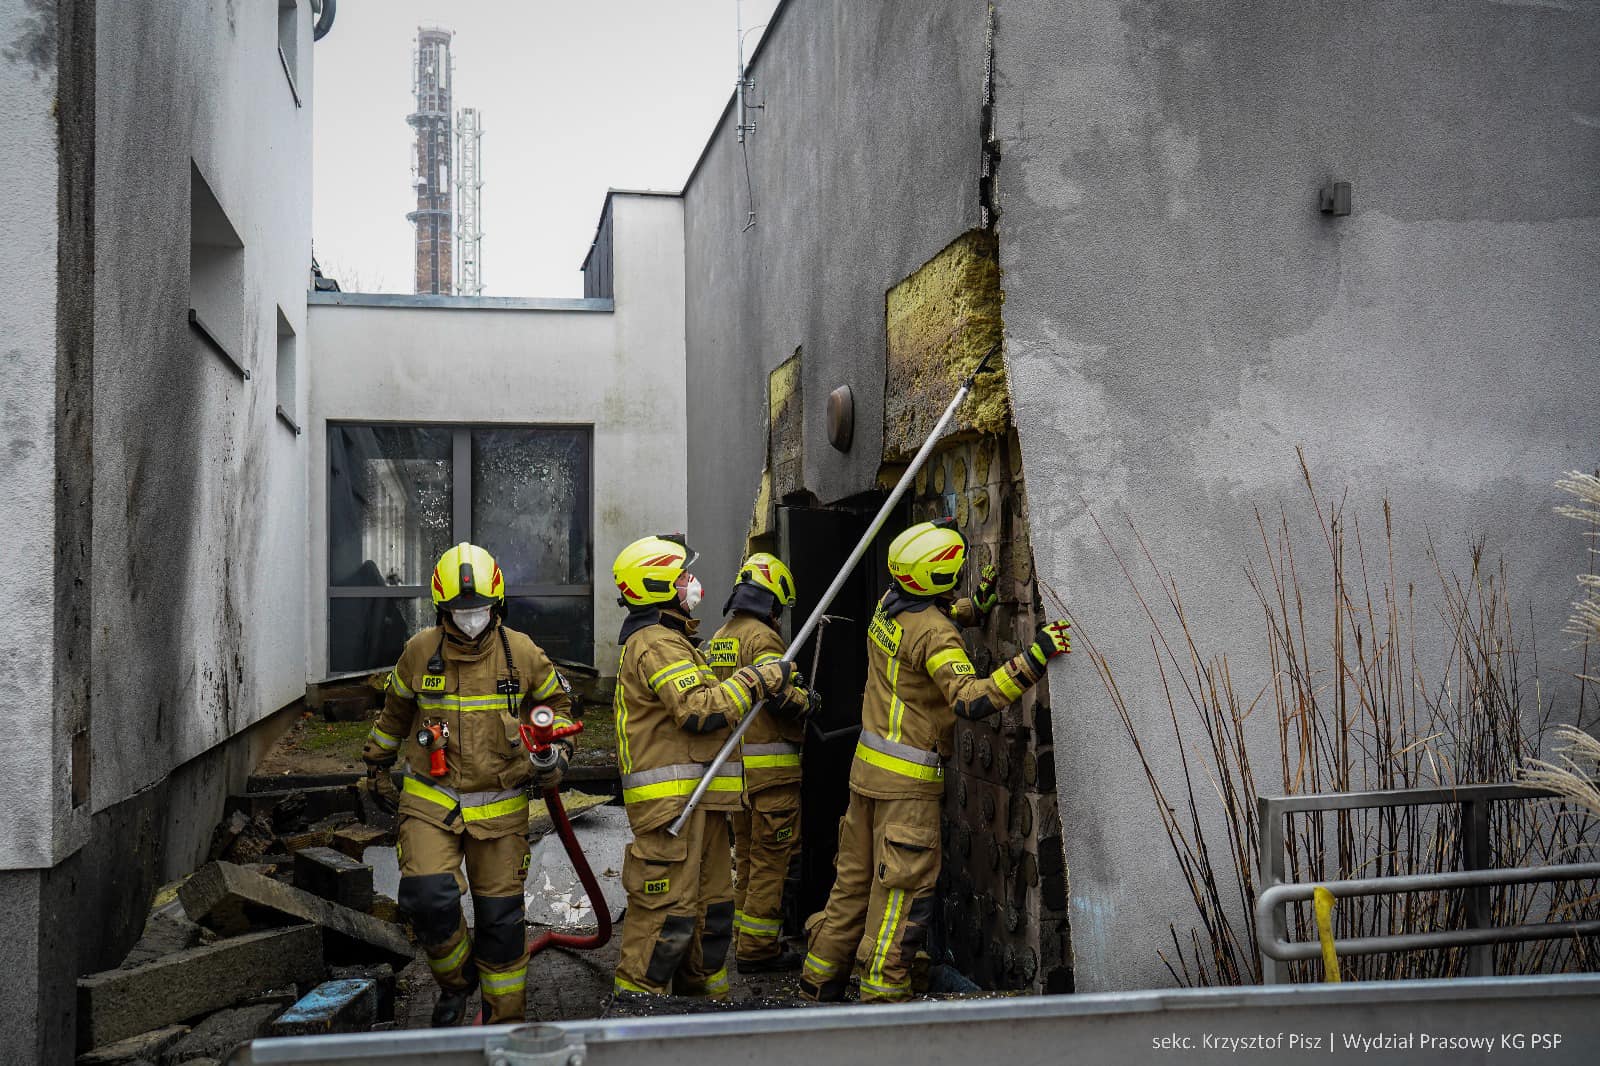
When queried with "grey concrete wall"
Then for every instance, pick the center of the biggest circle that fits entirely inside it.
(615, 366)
(1180, 317)
(864, 165)
(199, 511)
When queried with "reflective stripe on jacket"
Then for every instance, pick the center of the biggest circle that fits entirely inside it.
(483, 754)
(673, 714)
(771, 746)
(918, 680)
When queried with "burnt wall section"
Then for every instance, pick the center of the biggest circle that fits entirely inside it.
(1180, 316)
(1002, 888)
(865, 164)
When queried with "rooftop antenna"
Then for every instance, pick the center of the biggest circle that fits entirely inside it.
(745, 123)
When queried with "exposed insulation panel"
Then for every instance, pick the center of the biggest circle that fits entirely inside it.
(939, 322)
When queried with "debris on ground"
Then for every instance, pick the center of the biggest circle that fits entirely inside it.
(349, 1005)
(229, 900)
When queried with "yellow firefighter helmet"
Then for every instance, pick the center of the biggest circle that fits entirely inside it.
(768, 572)
(926, 559)
(647, 570)
(466, 576)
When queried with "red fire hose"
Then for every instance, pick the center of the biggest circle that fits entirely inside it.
(537, 738)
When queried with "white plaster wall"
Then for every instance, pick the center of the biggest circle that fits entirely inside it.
(28, 171)
(200, 490)
(621, 371)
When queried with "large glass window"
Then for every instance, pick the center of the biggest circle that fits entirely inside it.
(398, 496)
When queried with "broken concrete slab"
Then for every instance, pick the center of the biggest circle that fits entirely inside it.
(217, 1036)
(117, 1004)
(345, 1006)
(382, 975)
(229, 900)
(355, 839)
(167, 930)
(334, 876)
(147, 1046)
(291, 806)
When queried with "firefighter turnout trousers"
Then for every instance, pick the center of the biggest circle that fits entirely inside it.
(679, 922)
(430, 892)
(766, 833)
(881, 905)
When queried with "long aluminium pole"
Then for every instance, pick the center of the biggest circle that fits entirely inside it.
(838, 583)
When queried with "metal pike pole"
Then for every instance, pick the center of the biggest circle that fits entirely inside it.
(838, 583)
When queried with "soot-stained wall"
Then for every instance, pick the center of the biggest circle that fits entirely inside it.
(1180, 318)
(864, 165)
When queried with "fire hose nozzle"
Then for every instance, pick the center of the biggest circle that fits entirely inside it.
(540, 733)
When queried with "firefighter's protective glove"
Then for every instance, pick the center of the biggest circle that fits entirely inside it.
(768, 679)
(548, 775)
(1053, 638)
(376, 757)
(987, 594)
(801, 704)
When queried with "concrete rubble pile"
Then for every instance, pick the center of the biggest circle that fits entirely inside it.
(281, 934)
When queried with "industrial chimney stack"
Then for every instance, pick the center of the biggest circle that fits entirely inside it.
(432, 75)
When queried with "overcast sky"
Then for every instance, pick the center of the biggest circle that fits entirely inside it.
(575, 98)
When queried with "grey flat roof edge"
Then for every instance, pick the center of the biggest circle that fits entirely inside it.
(457, 303)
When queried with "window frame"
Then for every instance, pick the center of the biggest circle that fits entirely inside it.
(460, 516)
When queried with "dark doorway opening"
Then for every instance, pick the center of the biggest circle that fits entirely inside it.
(816, 544)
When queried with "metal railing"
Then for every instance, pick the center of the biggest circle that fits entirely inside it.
(1475, 878)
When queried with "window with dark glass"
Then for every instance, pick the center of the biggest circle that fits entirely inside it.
(398, 496)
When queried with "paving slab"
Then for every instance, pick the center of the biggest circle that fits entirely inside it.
(217, 1036)
(146, 1046)
(118, 1004)
(229, 899)
(334, 876)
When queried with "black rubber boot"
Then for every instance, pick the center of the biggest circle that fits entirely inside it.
(451, 1009)
(783, 962)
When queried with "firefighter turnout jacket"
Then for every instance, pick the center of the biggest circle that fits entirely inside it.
(919, 680)
(770, 748)
(481, 691)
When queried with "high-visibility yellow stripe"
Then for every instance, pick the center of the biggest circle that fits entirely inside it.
(762, 927)
(885, 988)
(500, 984)
(740, 696)
(946, 657)
(767, 657)
(448, 802)
(399, 687)
(386, 741)
(467, 704)
(717, 983)
(896, 765)
(452, 960)
(1008, 688)
(821, 965)
(679, 787)
(427, 792)
(767, 762)
(620, 984)
(619, 706)
(495, 810)
(549, 687)
(886, 932)
(897, 709)
(670, 671)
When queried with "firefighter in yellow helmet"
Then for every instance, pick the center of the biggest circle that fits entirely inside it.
(766, 831)
(919, 680)
(673, 715)
(454, 704)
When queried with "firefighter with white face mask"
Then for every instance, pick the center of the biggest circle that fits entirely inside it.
(454, 704)
(766, 832)
(673, 714)
(919, 681)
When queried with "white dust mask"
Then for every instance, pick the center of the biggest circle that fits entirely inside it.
(471, 622)
(690, 593)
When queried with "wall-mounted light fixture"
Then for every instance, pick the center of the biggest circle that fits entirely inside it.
(841, 418)
(1334, 198)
